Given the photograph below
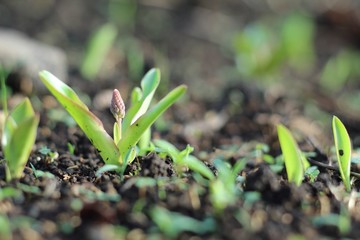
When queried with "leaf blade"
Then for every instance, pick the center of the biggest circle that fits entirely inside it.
(292, 155)
(88, 122)
(135, 131)
(343, 150)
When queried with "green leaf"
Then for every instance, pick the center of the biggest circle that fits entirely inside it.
(22, 111)
(5, 227)
(132, 134)
(295, 162)
(107, 168)
(168, 148)
(149, 84)
(198, 166)
(88, 122)
(343, 150)
(20, 145)
(19, 137)
(173, 223)
(99, 45)
(184, 158)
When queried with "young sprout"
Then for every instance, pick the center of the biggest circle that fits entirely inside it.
(295, 161)
(183, 158)
(343, 150)
(128, 128)
(18, 138)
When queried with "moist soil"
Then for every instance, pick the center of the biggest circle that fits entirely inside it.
(60, 196)
(75, 203)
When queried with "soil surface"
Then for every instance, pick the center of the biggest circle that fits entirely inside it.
(60, 196)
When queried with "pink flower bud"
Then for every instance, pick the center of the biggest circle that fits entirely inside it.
(117, 107)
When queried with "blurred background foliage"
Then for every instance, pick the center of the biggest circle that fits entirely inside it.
(304, 49)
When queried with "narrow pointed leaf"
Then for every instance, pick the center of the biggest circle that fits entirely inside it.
(88, 122)
(149, 84)
(198, 166)
(292, 155)
(135, 131)
(20, 145)
(22, 111)
(343, 150)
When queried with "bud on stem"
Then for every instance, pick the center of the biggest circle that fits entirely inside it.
(117, 107)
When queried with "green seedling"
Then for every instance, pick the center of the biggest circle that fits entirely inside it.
(312, 173)
(128, 128)
(50, 155)
(71, 148)
(224, 189)
(173, 223)
(183, 158)
(5, 227)
(18, 137)
(99, 45)
(39, 173)
(343, 150)
(295, 161)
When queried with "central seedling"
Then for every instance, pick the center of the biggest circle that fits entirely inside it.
(128, 128)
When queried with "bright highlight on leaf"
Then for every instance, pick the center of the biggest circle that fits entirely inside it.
(18, 138)
(295, 161)
(129, 127)
(343, 150)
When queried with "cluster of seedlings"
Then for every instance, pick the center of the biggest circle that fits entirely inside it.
(296, 163)
(132, 138)
(131, 132)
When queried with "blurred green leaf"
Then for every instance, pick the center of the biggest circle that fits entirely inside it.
(88, 122)
(298, 40)
(173, 223)
(99, 45)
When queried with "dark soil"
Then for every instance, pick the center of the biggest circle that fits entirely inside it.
(74, 203)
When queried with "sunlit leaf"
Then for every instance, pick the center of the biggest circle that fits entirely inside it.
(149, 84)
(88, 122)
(343, 150)
(295, 162)
(132, 134)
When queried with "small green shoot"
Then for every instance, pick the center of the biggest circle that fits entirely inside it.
(71, 148)
(343, 150)
(39, 173)
(295, 161)
(173, 223)
(18, 138)
(128, 128)
(9, 192)
(99, 45)
(312, 173)
(5, 227)
(224, 190)
(107, 168)
(50, 155)
(183, 158)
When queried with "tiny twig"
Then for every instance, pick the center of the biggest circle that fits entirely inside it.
(320, 164)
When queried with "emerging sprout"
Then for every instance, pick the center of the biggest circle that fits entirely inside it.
(295, 161)
(343, 150)
(128, 129)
